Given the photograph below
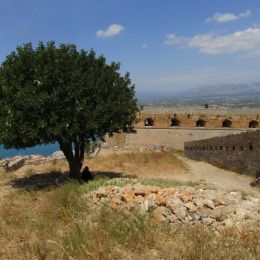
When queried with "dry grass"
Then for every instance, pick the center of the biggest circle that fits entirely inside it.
(58, 223)
(142, 165)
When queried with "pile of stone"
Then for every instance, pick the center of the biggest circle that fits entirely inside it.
(214, 208)
(16, 162)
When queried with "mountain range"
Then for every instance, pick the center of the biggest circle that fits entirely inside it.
(224, 90)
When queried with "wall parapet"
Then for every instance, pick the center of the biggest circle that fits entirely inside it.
(238, 152)
(199, 119)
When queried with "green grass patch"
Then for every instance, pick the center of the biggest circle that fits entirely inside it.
(163, 183)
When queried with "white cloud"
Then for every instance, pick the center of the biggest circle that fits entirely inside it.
(112, 30)
(144, 45)
(247, 40)
(227, 17)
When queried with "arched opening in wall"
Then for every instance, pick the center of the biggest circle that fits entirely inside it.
(175, 122)
(148, 122)
(227, 123)
(253, 124)
(201, 123)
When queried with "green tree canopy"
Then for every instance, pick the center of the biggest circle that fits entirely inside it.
(60, 94)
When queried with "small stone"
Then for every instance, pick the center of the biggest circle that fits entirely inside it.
(167, 192)
(207, 221)
(128, 196)
(158, 216)
(102, 192)
(180, 213)
(209, 203)
(186, 196)
(218, 202)
(247, 205)
(140, 190)
(152, 189)
(202, 212)
(172, 218)
(191, 207)
(139, 199)
(222, 212)
(160, 200)
(173, 202)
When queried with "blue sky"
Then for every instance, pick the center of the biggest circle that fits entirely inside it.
(165, 45)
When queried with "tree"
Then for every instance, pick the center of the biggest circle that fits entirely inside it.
(59, 94)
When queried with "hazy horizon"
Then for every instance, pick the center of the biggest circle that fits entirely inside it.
(166, 46)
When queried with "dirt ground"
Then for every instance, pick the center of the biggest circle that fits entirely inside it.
(121, 163)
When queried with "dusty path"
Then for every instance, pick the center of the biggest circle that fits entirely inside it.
(220, 178)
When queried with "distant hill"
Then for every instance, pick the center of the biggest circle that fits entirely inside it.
(252, 89)
(225, 90)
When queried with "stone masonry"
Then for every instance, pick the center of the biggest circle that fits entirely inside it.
(239, 152)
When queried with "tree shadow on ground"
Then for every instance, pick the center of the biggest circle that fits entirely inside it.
(40, 181)
(113, 175)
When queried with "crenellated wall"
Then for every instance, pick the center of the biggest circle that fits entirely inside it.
(239, 152)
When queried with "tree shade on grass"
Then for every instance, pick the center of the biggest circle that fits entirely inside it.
(62, 94)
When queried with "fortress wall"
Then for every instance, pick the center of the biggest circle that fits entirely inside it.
(172, 137)
(163, 132)
(239, 152)
(190, 120)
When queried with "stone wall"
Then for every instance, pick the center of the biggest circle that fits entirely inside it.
(172, 137)
(239, 152)
(206, 118)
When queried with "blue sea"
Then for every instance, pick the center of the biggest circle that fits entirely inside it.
(39, 149)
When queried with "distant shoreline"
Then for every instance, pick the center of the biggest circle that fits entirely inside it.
(44, 150)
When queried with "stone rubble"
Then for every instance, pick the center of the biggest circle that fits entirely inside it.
(213, 208)
(16, 162)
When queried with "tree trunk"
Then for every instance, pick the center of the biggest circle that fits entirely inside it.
(79, 150)
(66, 148)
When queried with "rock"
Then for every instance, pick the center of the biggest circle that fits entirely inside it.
(199, 202)
(160, 200)
(247, 205)
(158, 216)
(173, 202)
(180, 213)
(58, 155)
(15, 163)
(167, 192)
(222, 212)
(172, 218)
(140, 190)
(241, 214)
(202, 212)
(213, 208)
(128, 196)
(139, 199)
(207, 221)
(185, 196)
(191, 207)
(211, 196)
(147, 205)
(218, 202)
(102, 192)
(152, 189)
(208, 203)
(143, 208)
